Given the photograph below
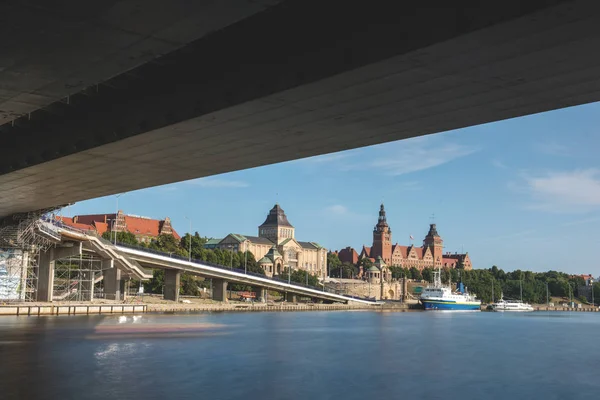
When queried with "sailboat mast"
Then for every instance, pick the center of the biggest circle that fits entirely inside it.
(492, 290)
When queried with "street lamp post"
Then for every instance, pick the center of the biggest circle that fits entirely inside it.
(116, 214)
(230, 247)
(190, 241)
(246, 257)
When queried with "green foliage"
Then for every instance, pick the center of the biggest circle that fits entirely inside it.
(345, 270)
(300, 276)
(122, 237)
(414, 273)
(333, 262)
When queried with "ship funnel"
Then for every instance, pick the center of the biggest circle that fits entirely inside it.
(460, 287)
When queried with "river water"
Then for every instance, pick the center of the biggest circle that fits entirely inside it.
(302, 355)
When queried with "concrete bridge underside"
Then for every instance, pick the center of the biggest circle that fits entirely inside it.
(290, 80)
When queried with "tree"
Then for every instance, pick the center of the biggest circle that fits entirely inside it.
(427, 274)
(300, 276)
(333, 262)
(415, 274)
(345, 270)
(122, 237)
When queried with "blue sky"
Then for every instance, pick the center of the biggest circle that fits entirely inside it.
(521, 193)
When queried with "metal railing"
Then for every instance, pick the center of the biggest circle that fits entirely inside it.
(241, 271)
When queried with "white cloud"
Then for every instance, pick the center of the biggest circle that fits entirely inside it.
(217, 183)
(337, 209)
(552, 148)
(421, 155)
(571, 191)
(499, 164)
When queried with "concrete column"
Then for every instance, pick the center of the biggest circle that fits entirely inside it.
(45, 283)
(172, 284)
(112, 280)
(290, 297)
(219, 290)
(260, 294)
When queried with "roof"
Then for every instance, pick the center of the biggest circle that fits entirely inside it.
(373, 268)
(276, 217)
(136, 225)
(366, 250)
(69, 222)
(273, 253)
(265, 260)
(403, 250)
(258, 240)
(212, 241)
(449, 260)
(310, 245)
(348, 254)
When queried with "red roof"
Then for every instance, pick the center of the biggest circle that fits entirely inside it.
(366, 250)
(402, 249)
(450, 261)
(69, 222)
(348, 255)
(104, 222)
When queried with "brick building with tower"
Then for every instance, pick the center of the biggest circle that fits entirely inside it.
(429, 255)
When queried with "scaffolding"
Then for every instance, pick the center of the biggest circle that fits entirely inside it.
(22, 237)
(75, 278)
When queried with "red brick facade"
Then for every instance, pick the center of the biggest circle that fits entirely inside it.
(427, 256)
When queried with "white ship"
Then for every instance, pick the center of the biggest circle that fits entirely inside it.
(511, 305)
(439, 297)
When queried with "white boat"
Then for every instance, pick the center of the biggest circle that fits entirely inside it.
(511, 305)
(439, 297)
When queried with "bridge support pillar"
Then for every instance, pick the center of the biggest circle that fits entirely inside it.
(112, 280)
(260, 294)
(172, 284)
(45, 284)
(290, 297)
(219, 289)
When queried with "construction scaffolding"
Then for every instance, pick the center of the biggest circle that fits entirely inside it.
(22, 238)
(77, 278)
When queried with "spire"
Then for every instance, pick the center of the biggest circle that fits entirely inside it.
(432, 231)
(276, 217)
(382, 213)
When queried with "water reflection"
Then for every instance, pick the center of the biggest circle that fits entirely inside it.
(350, 355)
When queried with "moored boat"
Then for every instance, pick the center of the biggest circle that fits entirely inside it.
(440, 297)
(511, 305)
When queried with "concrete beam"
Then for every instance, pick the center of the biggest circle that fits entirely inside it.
(219, 289)
(172, 284)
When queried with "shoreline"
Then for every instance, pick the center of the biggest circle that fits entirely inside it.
(103, 307)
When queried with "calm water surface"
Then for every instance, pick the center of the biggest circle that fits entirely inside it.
(320, 355)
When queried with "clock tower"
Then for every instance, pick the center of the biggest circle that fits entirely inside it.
(434, 242)
(382, 238)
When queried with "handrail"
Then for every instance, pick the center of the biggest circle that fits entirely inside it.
(223, 267)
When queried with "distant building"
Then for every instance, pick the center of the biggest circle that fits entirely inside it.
(276, 247)
(430, 254)
(145, 229)
(586, 289)
(348, 255)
